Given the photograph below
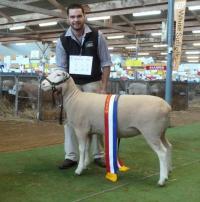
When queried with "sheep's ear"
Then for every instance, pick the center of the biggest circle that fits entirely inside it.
(64, 73)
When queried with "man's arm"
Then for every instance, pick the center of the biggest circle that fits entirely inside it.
(105, 59)
(105, 78)
(61, 58)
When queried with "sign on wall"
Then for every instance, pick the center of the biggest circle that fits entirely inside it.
(153, 67)
(133, 63)
(179, 19)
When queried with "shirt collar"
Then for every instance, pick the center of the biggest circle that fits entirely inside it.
(86, 30)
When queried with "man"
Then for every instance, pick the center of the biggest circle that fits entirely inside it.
(83, 52)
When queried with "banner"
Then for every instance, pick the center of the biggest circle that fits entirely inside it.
(133, 63)
(179, 19)
(153, 67)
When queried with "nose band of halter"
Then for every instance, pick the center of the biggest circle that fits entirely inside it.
(54, 84)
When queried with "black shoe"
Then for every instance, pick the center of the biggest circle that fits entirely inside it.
(100, 162)
(67, 163)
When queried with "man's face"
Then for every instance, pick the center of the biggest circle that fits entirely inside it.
(76, 19)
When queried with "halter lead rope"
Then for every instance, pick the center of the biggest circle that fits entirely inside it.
(54, 84)
(61, 111)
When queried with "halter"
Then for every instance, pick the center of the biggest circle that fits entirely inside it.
(53, 87)
(54, 84)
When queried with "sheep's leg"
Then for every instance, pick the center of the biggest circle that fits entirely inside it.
(156, 144)
(82, 140)
(87, 158)
(161, 151)
(162, 155)
(169, 151)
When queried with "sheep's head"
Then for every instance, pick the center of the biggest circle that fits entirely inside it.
(54, 79)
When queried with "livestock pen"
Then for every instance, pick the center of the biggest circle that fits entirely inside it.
(12, 91)
(183, 96)
(21, 93)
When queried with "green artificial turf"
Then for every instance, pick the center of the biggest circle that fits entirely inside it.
(33, 176)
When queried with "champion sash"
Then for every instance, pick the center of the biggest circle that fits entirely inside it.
(111, 154)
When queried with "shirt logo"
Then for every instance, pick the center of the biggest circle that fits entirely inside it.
(89, 44)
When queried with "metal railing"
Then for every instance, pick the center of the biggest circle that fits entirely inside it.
(16, 78)
(180, 90)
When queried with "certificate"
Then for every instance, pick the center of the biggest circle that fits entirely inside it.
(80, 64)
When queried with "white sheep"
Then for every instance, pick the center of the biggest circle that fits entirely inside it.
(137, 114)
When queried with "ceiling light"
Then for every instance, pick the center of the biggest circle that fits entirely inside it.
(98, 18)
(146, 13)
(192, 8)
(20, 44)
(47, 24)
(196, 31)
(196, 44)
(17, 27)
(143, 54)
(160, 45)
(163, 53)
(163, 61)
(115, 37)
(130, 47)
(156, 34)
(196, 61)
(192, 52)
(110, 48)
(192, 57)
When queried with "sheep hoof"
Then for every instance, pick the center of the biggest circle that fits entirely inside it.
(161, 183)
(86, 164)
(85, 167)
(170, 169)
(78, 171)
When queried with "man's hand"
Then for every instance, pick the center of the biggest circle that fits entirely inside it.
(101, 91)
(104, 80)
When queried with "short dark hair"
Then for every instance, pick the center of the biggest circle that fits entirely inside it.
(74, 6)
